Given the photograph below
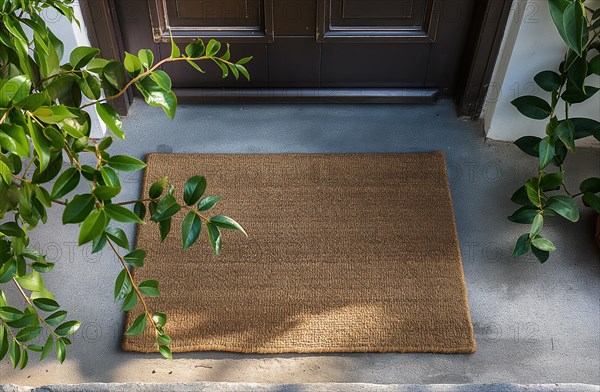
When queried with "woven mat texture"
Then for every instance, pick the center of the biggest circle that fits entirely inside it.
(346, 253)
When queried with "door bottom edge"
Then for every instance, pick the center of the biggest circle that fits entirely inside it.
(307, 95)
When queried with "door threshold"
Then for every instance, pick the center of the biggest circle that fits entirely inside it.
(306, 95)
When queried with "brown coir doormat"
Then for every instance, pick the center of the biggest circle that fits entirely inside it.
(346, 253)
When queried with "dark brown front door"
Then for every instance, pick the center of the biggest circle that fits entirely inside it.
(359, 44)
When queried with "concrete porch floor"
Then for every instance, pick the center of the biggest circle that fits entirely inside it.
(534, 323)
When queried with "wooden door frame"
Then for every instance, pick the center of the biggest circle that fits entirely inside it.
(488, 24)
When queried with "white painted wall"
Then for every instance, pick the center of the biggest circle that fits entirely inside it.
(531, 44)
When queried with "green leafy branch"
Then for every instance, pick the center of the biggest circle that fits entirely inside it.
(43, 121)
(574, 23)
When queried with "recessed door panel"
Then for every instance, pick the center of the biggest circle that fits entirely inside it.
(309, 43)
(378, 20)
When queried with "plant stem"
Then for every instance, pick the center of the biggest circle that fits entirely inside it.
(4, 116)
(57, 75)
(137, 291)
(148, 72)
(123, 203)
(14, 337)
(195, 210)
(31, 304)
(21, 179)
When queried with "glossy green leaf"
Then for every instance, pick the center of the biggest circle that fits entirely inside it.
(160, 319)
(61, 350)
(14, 353)
(557, 9)
(208, 203)
(111, 118)
(118, 236)
(121, 214)
(41, 145)
(591, 200)
(162, 79)
(543, 244)
(164, 339)
(105, 192)
(149, 288)
(564, 206)
(92, 226)
(532, 107)
(591, 184)
(32, 281)
(15, 89)
(551, 181)
(138, 326)
(227, 223)
(12, 229)
(585, 127)
(53, 114)
(165, 351)
(132, 64)
(157, 188)
(548, 80)
(139, 209)
(13, 139)
(546, 152)
(4, 344)
(9, 314)
(114, 74)
(125, 163)
(129, 302)
(56, 318)
(523, 245)
(90, 86)
(195, 49)
(190, 229)
(537, 225)
(46, 304)
(565, 131)
(167, 207)
(78, 209)
(529, 145)
(135, 258)
(213, 47)
(146, 56)
(8, 271)
(67, 328)
(164, 228)
(524, 215)
(214, 236)
(194, 189)
(156, 96)
(122, 285)
(575, 95)
(81, 56)
(573, 22)
(175, 52)
(65, 183)
(47, 349)
(28, 333)
(578, 72)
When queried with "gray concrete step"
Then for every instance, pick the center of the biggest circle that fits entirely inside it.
(324, 387)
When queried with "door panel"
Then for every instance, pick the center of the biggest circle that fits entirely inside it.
(295, 17)
(310, 43)
(298, 56)
(395, 69)
(233, 20)
(378, 20)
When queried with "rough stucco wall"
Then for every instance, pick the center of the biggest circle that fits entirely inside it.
(535, 46)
